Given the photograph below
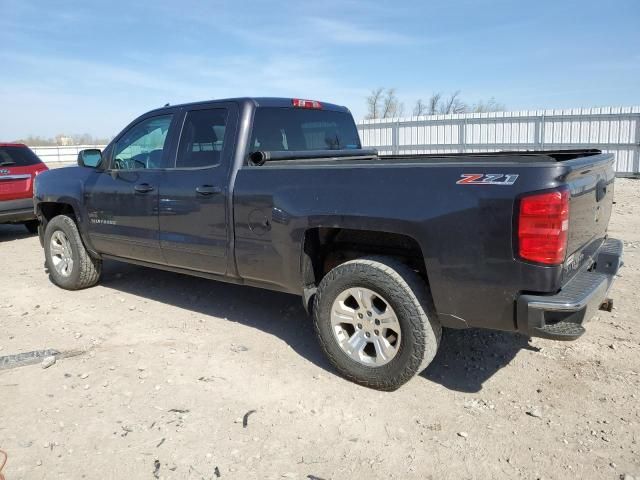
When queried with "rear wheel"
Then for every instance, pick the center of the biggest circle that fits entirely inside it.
(375, 322)
(32, 226)
(70, 265)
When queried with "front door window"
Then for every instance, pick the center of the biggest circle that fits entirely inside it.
(143, 145)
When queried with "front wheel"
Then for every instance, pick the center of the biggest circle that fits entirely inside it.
(70, 265)
(375, 322)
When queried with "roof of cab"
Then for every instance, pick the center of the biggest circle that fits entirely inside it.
(258, 102)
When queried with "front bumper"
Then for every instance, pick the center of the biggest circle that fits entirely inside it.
(561, 316)
(16, 211)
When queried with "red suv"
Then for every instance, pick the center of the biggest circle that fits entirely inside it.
(18, 169)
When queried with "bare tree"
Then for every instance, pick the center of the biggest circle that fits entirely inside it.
(432, 106)
(82, 139)
(490, 105)
(434, 102)
(36, 140)
(373, 103)
(63, 139)
(453, 104)
(391, 106)
(384, 104)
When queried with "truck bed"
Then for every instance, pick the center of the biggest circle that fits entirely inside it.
(465, 232)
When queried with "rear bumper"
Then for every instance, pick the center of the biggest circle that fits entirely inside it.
(15, 211)
(562, 316)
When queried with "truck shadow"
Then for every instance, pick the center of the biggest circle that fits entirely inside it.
(467, 358)
(274, 313)
(10, 232)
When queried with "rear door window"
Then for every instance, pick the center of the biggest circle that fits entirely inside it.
(281, 129)
(202, 139)
(16, 156)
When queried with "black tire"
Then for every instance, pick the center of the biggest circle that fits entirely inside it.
(409, 297)
(32, 226)
(86, 270)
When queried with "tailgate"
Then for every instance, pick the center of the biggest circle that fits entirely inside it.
(591, 183)
(15, 182)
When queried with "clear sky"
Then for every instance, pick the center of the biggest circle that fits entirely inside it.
(83, 66)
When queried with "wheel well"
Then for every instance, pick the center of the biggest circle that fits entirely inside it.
(326, 248)
(48, 210)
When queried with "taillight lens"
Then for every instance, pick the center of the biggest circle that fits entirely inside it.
(543, 225)
(300, 103)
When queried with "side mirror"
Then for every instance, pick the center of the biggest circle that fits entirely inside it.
(91, 157)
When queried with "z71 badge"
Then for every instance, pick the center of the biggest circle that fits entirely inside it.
(487, 179)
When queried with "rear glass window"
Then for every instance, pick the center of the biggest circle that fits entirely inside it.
(281, 129)
(17, 157)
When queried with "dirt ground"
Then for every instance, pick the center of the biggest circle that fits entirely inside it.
(186, 378)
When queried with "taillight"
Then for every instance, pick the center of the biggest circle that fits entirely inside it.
(543, 225)
(300, 103)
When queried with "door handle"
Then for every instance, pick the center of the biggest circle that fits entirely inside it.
(207, 190)
(143, 188)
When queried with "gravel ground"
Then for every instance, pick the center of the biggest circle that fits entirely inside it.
(168, 376)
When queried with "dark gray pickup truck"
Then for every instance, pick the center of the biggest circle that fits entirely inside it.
(280, 194)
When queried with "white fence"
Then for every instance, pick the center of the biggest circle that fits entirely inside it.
(62, 155)
(610, 129)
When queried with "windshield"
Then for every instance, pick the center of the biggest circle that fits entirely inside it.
(282, 129)
(17, 156)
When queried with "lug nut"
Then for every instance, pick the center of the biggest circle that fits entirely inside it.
(359, 325)
(369, 314)
(377, 332)
(367, 334)
(359, 315)
(377, 322)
